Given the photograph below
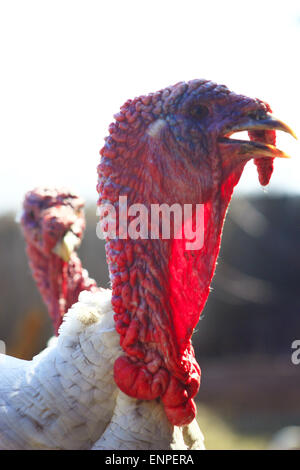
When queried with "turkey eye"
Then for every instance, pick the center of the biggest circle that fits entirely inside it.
(199, 112)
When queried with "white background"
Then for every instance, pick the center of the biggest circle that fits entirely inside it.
(67, 66)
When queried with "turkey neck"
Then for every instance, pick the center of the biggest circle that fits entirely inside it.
(159, 288)
(59, 282)
(158, 292)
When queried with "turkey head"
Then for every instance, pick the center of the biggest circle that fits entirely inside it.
(53, 223)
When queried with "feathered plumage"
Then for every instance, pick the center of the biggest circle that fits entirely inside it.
(66, 398)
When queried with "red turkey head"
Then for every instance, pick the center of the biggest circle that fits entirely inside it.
(48, 216)
(53, 224)
(173, 147)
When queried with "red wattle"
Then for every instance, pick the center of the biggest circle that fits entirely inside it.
(265, 166)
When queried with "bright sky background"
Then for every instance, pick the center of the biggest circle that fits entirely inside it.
(68, 65)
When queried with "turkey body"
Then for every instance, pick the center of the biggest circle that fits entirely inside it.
(66, 398)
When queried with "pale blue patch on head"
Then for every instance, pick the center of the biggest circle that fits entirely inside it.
(155, 127)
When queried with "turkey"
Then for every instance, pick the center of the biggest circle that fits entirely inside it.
(122, 374)
(53, 224)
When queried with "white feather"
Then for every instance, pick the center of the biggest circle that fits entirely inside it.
(66, 397)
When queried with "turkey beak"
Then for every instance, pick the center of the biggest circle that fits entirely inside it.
(252, 149)
(65, 247)
(267, 122)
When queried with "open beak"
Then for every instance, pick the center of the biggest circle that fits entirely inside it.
(267, 122)
(252, 149)
(65, 247)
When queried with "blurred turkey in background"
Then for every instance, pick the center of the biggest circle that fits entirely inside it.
(250, 387)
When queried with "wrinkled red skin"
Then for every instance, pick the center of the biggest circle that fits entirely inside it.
(264, 165)
(47, 216)
(159, 288)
